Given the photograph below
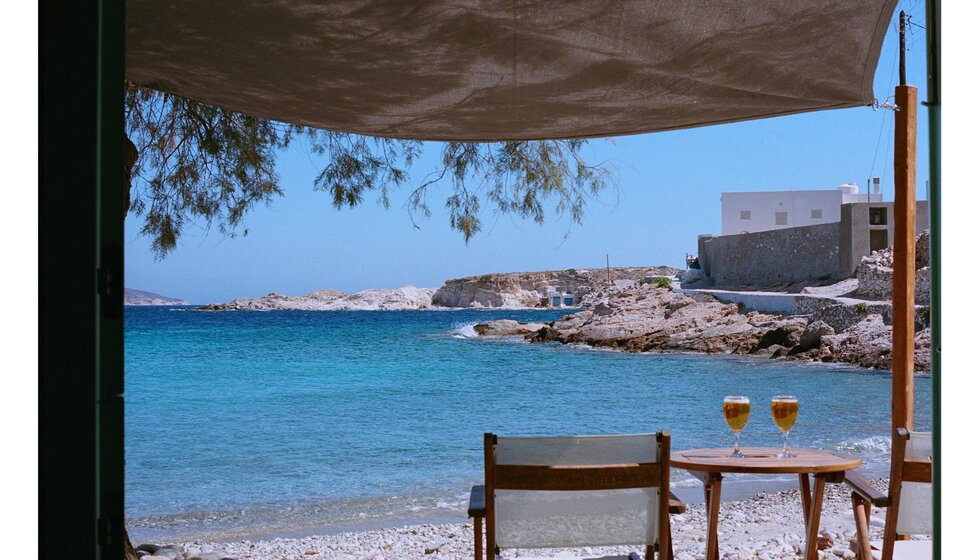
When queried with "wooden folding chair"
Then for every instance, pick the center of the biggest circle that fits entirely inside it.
(909, 501)
(556, 492)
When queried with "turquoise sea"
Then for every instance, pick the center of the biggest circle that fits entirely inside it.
(257, 424)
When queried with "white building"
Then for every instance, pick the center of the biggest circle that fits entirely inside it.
(749, 212)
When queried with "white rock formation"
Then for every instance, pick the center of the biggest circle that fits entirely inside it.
(404, 298)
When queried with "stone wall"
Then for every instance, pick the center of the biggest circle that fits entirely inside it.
(768, 258)
(843, 316)
(875, 273)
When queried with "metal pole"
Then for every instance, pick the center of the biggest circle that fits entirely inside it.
(901, 48)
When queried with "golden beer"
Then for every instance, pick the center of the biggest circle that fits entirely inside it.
(737, 414)
(736, 411)
(784, 412)
(785, 409)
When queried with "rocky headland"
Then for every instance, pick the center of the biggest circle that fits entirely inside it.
(516, 290)
(140, 297)
(649, 318)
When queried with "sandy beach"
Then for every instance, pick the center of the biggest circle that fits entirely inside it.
(766, 526)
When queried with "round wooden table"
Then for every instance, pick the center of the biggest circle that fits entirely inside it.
(709, 464)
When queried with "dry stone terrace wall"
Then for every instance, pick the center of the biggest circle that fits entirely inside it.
(875, 273)
(768, 258)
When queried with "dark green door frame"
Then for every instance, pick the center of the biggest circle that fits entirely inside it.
(933, 58)
(81, 279)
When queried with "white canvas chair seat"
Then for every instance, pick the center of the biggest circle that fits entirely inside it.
(571, 492)
(558, 519)
(909, 501)
(905, 550)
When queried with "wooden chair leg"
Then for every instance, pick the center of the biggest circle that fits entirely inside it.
(477, 538)
(861, 510)
(649, 552)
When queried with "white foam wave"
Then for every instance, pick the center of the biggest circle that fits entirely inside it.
(464, 330)
(879, 444)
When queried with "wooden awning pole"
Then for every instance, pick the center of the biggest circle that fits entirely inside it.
(903, 282)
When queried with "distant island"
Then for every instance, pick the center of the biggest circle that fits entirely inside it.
(139, 297)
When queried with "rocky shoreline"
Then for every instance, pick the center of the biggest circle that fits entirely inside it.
(640, 309)
(766, 526)
(849, 322)
(650, 318)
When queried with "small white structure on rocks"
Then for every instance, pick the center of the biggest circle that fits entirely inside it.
(749, 212)
(554, 298)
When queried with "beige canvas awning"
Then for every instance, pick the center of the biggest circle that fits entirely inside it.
(472, 70)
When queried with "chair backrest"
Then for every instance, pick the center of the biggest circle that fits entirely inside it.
(549, 492)
(915, 506)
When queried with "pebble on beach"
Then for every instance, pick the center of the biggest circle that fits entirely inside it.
(767, 526)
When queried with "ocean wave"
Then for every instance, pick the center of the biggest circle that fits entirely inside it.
(464, 330)
(879, 444)
(686, 481)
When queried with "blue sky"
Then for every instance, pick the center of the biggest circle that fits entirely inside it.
(668, 192)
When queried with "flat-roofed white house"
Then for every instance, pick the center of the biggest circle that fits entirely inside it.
(779, 238)
(749, 212)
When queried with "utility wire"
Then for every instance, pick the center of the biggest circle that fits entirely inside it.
(884, 116)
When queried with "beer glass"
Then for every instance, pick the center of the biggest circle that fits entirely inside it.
(785, 408)
(736, 411)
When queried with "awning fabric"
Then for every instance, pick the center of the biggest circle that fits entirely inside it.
(489, 70)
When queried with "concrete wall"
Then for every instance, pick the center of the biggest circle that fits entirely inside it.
(772, 257)
(766, 302)
(856, 227)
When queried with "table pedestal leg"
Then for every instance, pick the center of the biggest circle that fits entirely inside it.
(712, 505)
(813, 519)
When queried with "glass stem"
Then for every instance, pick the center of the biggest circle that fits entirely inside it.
(737, 449)
(786, 442)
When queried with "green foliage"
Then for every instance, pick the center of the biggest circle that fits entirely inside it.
(662, 282)
(203, 164)
(862, 308)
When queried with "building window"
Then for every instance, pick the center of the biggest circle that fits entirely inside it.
(746, 214)
(816, 214)
(781, 218)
